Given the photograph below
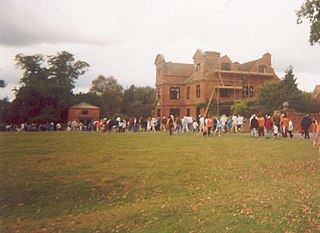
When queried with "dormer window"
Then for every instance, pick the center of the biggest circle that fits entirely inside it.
(225, 66)
(197, 67)
(262, 69)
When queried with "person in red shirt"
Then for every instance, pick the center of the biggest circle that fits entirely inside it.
(269, 127)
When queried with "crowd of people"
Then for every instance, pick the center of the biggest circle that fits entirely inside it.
(268, 126)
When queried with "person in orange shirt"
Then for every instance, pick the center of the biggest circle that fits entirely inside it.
(209, 123)
(284, 124)
(261, 122)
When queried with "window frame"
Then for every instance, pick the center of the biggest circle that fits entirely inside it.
(225, 66)
(175, 90)
(159, 93)
(188, 92)
(198, 91)
(262, 69)
(84, 112)
(222, 91)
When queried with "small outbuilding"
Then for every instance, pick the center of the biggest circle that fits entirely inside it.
(84, 112)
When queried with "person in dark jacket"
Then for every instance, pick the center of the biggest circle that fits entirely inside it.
(305, 124)
(254, 125)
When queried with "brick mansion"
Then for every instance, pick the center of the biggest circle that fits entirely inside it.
(184, 89)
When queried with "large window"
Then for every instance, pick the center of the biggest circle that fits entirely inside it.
(248, 92)
(225, 66)
(198, 91)
(159, 93)
(188, 92)
(174, 93)
(175, 112)
(224, 93)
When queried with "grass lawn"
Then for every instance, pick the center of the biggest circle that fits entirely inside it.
(151, 182)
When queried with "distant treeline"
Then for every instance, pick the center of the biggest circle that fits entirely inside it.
(47, 87)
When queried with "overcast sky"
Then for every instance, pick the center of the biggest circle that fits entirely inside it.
(122, 38)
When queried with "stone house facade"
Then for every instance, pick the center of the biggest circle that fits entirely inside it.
(184, 89)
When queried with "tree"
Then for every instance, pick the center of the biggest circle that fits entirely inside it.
(245, 107)
(46, 91)
(310, 10)
(5, 111)
(273, 94)
(309, 105)
(138, 101)
(111, 94)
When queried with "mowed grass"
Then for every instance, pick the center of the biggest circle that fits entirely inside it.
(151, 182)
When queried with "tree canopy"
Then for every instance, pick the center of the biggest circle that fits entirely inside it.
(138, 101)
(310, 10)
(110, 92)
(273, 94)
(47, 83)
(115, 100)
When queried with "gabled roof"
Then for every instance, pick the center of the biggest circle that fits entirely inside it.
(248, 65)
(84, 105)
(198, 55)
(179, 69)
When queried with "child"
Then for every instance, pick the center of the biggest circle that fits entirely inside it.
(290, 128)
(205, 130)
(275, 130)
(219, 128)
(301, 131)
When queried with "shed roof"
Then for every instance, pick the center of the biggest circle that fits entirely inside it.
(84, 105)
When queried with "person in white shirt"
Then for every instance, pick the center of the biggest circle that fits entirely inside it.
(195, 126)
(153, 124)
(290, 128)
(223, 121)
(185, 124)
(275, 130)
(234, 124)
(240, 123)
(201, 122)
